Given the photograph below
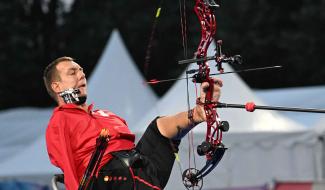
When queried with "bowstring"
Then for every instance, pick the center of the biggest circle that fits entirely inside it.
(183, 20)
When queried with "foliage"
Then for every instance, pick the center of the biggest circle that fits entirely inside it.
(264, 32)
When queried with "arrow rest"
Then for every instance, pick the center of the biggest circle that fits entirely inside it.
(200, 77)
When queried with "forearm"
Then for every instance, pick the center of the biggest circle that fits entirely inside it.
(178, 124)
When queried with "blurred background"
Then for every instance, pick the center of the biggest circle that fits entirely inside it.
(35, 32)
(263, 32)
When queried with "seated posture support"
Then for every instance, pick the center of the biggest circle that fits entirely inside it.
(74, 127)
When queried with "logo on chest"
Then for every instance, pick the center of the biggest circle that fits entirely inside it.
(102, 113)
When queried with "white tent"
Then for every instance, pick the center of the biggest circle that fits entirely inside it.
(320, 125)
(307, 97)
(263, 145)
(117, 85)
(254, 156)
(31, 160)
(20, 127)
(234, 91)
(258, 158)
(22, 145)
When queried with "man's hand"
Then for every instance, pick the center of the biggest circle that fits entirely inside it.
(199, 113)
(176, 126)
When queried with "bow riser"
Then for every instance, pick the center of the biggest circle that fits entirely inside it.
(208, 27)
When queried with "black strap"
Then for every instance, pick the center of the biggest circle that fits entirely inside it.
(130, 158)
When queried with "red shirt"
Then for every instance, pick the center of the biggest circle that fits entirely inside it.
(71, 138)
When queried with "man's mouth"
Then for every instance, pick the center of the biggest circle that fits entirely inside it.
(83, 85)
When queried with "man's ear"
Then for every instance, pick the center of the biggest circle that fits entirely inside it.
(56, 87)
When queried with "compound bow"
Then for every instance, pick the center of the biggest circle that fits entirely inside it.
(212, 147)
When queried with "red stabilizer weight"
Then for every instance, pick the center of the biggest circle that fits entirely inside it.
(250, 106)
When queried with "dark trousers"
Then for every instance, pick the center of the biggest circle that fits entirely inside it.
(150, 171)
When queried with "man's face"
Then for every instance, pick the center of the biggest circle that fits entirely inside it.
(72, 76)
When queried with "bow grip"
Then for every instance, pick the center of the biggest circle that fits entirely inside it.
(209, 92)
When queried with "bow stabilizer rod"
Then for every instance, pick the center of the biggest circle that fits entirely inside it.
(250, 107)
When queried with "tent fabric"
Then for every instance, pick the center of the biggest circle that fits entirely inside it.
(320, 125)
(258, 158)
(296, 96)
(32, 160)
(308, 97)
(233, 91)
(252, 159)
(19, 128)
(262, 145)
(116, 84)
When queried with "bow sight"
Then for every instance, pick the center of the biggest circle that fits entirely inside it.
(219, 57)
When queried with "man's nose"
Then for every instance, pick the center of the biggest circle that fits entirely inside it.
(82, 75)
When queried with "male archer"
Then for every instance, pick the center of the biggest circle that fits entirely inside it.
(74, 126)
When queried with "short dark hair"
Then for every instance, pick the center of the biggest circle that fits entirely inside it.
(50, 74)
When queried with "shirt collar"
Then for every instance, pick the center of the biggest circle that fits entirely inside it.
(73, 106)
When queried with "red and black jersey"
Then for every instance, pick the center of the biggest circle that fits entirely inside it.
(71, 138)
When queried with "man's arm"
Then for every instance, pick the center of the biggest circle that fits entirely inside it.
(175, 125)
(59, 150)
